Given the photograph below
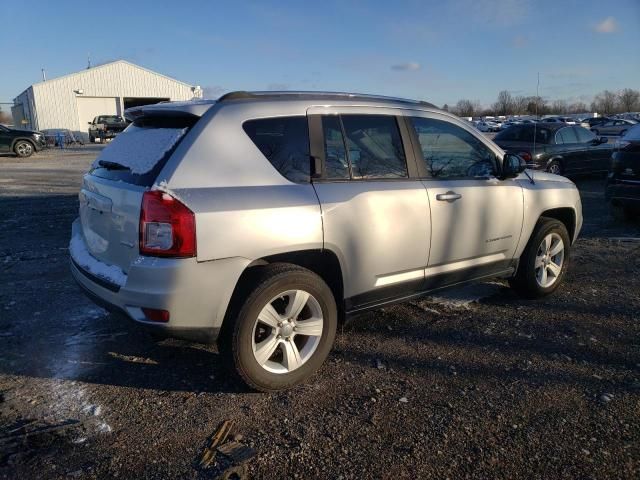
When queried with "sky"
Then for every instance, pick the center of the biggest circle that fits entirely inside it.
(438, 51)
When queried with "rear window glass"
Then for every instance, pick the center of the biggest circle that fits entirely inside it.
(138, 153)
(110, 119)
(284, 141)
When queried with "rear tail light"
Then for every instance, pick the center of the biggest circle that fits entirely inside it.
(155, 315)
(167, 227)
(526, 156)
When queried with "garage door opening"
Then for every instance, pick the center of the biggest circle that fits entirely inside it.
(130, 102)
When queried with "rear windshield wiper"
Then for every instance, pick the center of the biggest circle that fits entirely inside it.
(112, 165)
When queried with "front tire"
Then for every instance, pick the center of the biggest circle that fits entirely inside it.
(544, 261)
(283, 329)
(23, 149)
(555, 167)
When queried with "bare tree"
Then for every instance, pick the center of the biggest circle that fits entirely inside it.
(536, 106)
(559, 106)
(466, 108)
(577, 107)
(445, 107)
(504, 103)
(605, 102)
(520, 105)
(629, 100)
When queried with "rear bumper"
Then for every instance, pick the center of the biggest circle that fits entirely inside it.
(196, 294)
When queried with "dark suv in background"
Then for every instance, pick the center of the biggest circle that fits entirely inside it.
(623, 181)
(21, 142)
(557, 148)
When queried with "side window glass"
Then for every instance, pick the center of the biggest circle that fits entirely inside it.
(336, 165)
(584, 135)
(450, 152)
(566, 135)
(284, 141)
(374, 146)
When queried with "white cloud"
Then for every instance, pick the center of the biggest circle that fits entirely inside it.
(409, 66)
(608, 25)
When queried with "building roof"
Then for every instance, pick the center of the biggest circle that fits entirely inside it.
(104, 65)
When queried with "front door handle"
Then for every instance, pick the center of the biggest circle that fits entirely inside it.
(448, 197)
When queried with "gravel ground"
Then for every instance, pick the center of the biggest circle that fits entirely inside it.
(476, 384)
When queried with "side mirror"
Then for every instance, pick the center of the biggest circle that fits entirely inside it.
(512, 165)
(89, 123)
(603, 140)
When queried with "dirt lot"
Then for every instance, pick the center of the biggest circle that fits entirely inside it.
(480, 384)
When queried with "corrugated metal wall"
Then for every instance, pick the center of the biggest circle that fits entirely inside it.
(55, 100)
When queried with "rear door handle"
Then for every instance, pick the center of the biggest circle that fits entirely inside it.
(448, 197)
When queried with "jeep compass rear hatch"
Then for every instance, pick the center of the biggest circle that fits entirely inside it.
(112, 191)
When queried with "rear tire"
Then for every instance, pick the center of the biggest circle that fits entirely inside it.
(555, 167)
(23, 148)
(544, 261)
(282, 327)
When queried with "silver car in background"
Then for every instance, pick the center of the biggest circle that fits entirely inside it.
(261, 220)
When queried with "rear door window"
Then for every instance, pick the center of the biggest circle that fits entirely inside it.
(138, 154)
(284, 141)
(374, 147)
(335, 153)
(566, 135)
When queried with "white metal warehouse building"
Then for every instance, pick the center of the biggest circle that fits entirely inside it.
(73, 100)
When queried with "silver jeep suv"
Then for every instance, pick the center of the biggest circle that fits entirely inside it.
(263, 219)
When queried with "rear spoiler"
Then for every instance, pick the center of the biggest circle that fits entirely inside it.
(195, 108)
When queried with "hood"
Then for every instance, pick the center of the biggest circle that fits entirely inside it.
(540, 176)
(26, 132)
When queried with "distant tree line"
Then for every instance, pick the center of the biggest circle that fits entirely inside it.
(605, 103)
(5, 117)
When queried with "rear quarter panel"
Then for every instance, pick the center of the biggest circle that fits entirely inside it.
(244, 207)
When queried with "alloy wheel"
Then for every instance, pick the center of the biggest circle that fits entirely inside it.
(24, 149)
(549, 260)
(287, 331)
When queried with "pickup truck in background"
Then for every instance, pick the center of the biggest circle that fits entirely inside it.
(105, 126)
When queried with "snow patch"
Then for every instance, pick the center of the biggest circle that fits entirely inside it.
(140, 149)
(82, 257)
(464, 297)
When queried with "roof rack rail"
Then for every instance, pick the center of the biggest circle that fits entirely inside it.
(273, 95)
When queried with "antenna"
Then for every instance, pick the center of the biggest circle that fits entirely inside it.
(88, 61)
(535, 125)
(44, 75)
